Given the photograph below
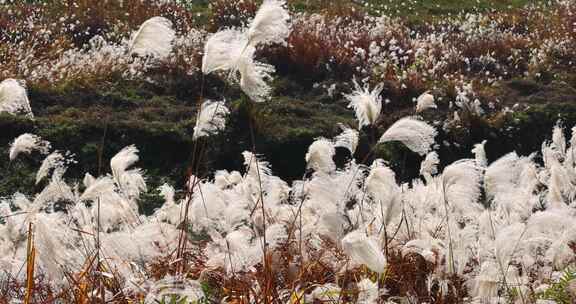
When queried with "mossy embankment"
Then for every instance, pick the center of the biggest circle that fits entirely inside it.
(95, 124)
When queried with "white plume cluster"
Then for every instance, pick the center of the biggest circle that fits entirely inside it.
(223, 51)
(415, 134)
(26, 143)
(211, 118)
(57, 162)
(14, 98)
(321, 152)
(429, 165)
(516, 235)
(364, 251)
(504, 228)
(271, 23)
(153, 38)
(366, 104)
(425, 102)
(347, 139)
(232, 50)
(319, 156)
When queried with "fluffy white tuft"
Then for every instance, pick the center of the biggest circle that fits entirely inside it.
(424, 102)
(417, 135)
(211, 119)
(367, 104)
(131, 182)
(124, 159)
(254, 77)
(57, 162)
(429, 165)
(319, 156)
(223, 50)
(347, 139)
(26, 143)
(364, 250)
(14, 98)
(153, 38)
(480, 153)
(461, 181)
(271, 23)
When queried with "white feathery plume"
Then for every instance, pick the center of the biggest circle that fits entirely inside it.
(368, 292)
(211, 119)
(560, 252)
(123, 159)
(480, 153)
(154, 37)
(55, 161)
(169, 212)
(528, 179)
(366, 104)
(26, 143)
(115, 212)
(167, 193)
(427, 248)
(347, 139)
(56, 190)
(424, 102)
(254, 77)
(14, 98)
(570, 160)
(559, 184)
(325, 293)
(228, 50)
(485, 284)
(506, 242)
(415, 134)
(364, 250)
(130, 182)
(208, 206)
(429, 165)
(271, 23)
(97, 188)
(233, 50)
(502, 174)
(558, 139)
(381, 185)
(320, 154)
(88, 180)
(223, 51)
(255, 166)
(224, 179)
(461, 182)
(177, 288)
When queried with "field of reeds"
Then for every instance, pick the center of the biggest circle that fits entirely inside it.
(287, 151)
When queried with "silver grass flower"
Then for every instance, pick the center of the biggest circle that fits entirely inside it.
(424, 102)
(211, 119)
(480, 153)
(223, 51)
(56, 162)
(364, 250)
(429, 165)
(153, 38)
(14, 98)
(367, 104)
(347, 139)
(26, 143)
(415, 134)
(320, 154)
(271, 23)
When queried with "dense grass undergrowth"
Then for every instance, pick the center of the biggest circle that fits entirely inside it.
(275, 203)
